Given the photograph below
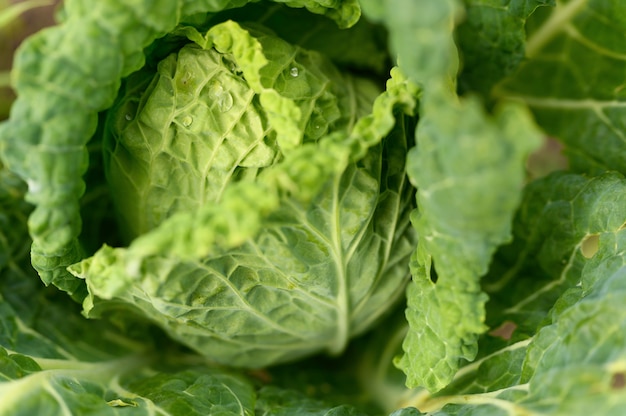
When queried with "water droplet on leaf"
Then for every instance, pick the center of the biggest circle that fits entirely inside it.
(294, 72)
(128, 117)
(222, 98)
(225, 102)
(187, 120)
(216, 89)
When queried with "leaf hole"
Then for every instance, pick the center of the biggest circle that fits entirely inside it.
(590, 244)
(433, 273)
(618, 381)
(505, 330)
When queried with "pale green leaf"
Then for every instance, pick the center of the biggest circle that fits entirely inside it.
(465, 209)
(467, 167)
(421, 37)
(51, 159)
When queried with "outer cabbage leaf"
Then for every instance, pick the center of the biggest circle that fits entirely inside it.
(468, 170)
(44, 140)
(573, 79)
(465, 208)
(584, 348)
(54, 361)
(570, 365)
(492, 38)
(556, 231)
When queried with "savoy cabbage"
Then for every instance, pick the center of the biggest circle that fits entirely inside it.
(316, 207)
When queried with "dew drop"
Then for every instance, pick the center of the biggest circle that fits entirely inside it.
(225, 102)
(128, 117)
(187, 120)
(293, 71)
(216, 89)
(222, 98)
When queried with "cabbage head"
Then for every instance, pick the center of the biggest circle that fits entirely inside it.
(261, 194)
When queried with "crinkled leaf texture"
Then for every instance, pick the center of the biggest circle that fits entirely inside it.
(465, 210)
(573, 40)
(361, 252)
(45, 139)
(273, 217)
(556, 231)
(556, 292)
(468, 168)
(55, 361)
(572, 361)
(574, 365)
(492, 36)
(218, 111)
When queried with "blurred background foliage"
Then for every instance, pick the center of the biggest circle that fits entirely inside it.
(18, 19)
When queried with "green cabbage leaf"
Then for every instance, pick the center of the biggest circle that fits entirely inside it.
(316, 207)
(557, 344)
(304, 277)
(54, 361)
